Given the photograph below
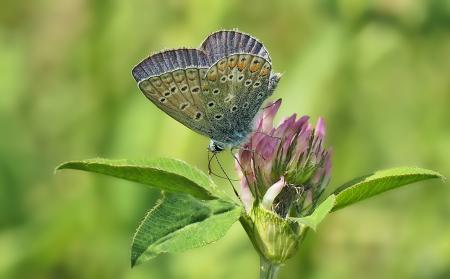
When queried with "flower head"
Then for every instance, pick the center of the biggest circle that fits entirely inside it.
(284, 168)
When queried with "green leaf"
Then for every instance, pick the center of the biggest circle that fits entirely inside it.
(180, 222)
(165, 174)
(378, 182)
(319, 213)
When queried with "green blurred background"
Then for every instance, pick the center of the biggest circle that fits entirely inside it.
(378, 71)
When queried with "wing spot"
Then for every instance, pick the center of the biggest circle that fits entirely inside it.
(195, 90)
(230, 77)
(245, 105)
(192, 74)
(184, 106)
(218, 116)
(241, 77)
(248, 82)
(166, 78)
(184, 88)
(211, 104)
(173, 89)
(162, 100)
(257, 84)
(223, 79)
(232, 61)
(233, 108)
(179, 76)
(259, 96)
(216, 91)
(156, 81)
(167, 93)
(228, 98)
(198, 116)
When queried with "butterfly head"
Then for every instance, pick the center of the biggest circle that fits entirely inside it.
(273, 81)
(215, 147)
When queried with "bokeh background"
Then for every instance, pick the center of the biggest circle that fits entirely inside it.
(378, 71)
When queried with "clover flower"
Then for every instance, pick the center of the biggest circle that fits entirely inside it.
(284, 168)
(283, 171)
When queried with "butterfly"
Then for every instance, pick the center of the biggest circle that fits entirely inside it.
(215, 90)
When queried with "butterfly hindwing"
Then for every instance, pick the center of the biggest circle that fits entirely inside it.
(239, 83)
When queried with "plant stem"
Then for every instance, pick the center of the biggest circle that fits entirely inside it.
(267, 269)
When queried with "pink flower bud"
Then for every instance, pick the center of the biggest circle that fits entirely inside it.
(288, 158)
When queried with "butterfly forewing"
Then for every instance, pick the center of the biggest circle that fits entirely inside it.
(172, 80)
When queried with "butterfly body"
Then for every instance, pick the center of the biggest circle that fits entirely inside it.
(215, 90)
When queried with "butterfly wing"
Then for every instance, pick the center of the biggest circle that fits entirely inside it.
(174, 80)
(215, 90)
(223, 43)
(238, 85)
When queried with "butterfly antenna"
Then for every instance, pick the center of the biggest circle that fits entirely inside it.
(229, 180)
